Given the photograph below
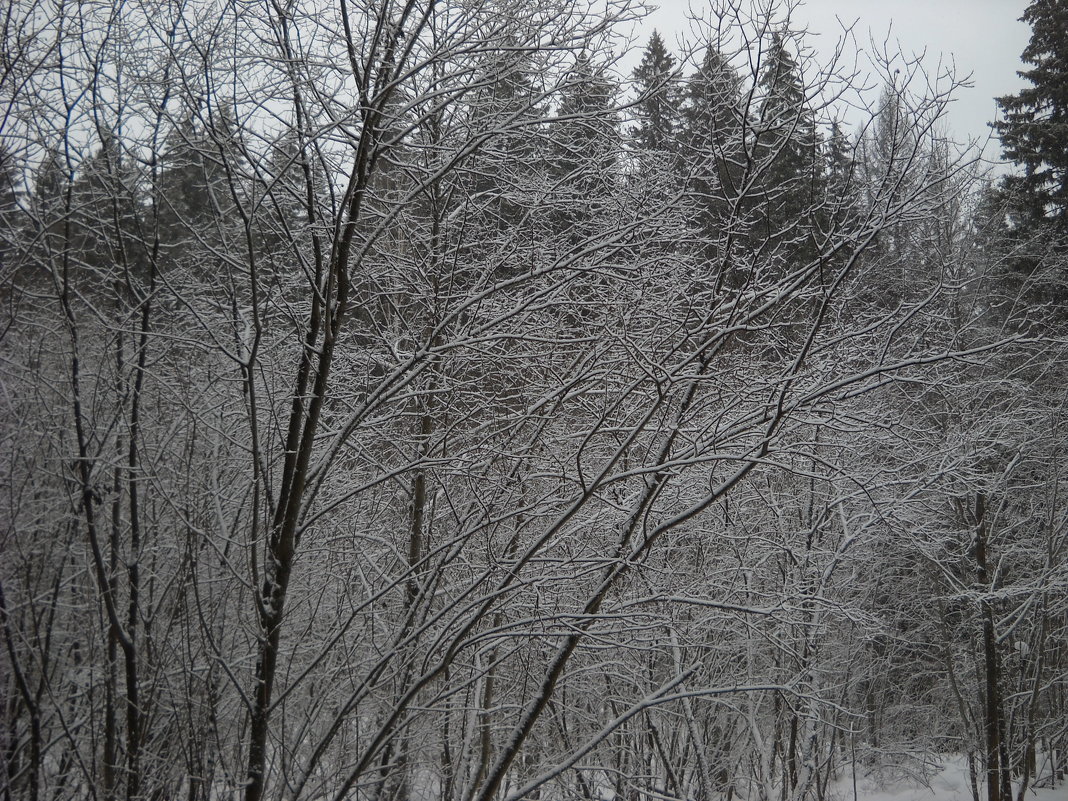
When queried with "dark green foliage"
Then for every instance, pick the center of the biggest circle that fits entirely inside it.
(893, 161)
(1026, 279)
(196, 185)
(498, 176)
(713, 153)
(585, 142)
(785, 121)
(842, 204)
(586, 139)
(9, 182)
(713, 120)
(657, 108)
(285, 190)
(91, 224)
(1034, 131)
(1027, 214)
(106, 197)
(843, 200)
(788, 152)
(49, 189)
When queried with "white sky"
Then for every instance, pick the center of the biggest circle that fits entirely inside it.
(982, 38)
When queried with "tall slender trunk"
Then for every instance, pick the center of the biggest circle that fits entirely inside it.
(32, 709)
(998, 785)
(992, 723)
(328, 312)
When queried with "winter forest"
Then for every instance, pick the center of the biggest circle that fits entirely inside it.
(404, 400)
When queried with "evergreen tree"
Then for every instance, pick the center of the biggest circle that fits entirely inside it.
(1034, 131)
(657, 109)
(90, 218)
(842, 188)
(8, 207)
(712, 145)
(585, 142)
(499, 175)
(48, 197)
(283, 227)
(892, 162)
(892, 151)
(787, 150)
(196, 195)
(108, 216)
(839, 157)
(712, 117)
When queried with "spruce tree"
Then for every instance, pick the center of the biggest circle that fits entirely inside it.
(787, 130)
(657, 109)
(586, 137)
(500, 174)
(9, 194)
(712, 141)
(107, 226)
(842, 193)
(195, 191)
(585, 158)
(840, 162)
(1034, 131)
(788, 152)
(712, 114)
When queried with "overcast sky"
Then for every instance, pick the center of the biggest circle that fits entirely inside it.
(983, 38)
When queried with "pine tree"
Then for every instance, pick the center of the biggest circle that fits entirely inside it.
(1034, 131)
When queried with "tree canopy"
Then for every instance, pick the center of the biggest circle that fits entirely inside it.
(400, 403)
(1034, 127)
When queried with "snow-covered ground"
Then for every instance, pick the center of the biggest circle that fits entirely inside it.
(950, 783)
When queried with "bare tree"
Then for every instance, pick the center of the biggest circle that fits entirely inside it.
(380, 428)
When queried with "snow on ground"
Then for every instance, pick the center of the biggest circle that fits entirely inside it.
(949, 784)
